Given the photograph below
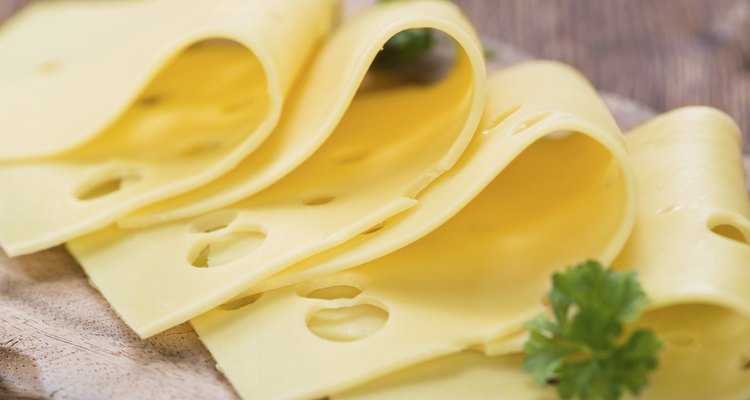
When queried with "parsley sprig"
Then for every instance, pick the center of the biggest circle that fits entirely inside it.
(405, 46)
(582, 349)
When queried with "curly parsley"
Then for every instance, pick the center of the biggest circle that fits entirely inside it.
(582, 350)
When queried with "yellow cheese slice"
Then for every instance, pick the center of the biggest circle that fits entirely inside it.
(209, 82)
(705, 356)
(690, 248)
(521, 108)
(521, 101)
(694, 217)
(316, 106)
(388, 147)
(557, 188)
(466, 375)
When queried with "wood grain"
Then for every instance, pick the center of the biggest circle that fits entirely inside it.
(60, 340)
(661, 53)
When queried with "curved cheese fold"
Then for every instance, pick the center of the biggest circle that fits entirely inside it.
(556, 187)
(387, 148)
(690, 248)
(132, 103)
(706, 356)
(691, 240)
(316, 106)
(102, 61)
(522, 99)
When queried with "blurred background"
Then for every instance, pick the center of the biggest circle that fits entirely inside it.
(661, 53)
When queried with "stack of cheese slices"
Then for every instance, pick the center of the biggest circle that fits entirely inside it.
(221, 162)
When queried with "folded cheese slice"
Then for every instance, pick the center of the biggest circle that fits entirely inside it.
(706, 356)
(315, 107)
(556, 187)
(526, 102)
(108, 106)
(691, 240)
(387, 148)
(691, 251)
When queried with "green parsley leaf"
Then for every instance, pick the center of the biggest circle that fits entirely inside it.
(405, 46)
(582, 349)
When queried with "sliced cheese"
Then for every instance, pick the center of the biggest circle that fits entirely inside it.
(556, 187)
(691, 241)
(132, 103)
(521, 108)
(705, 356)
(690, 249)
(465, 375)
(317, 105)
(387, 148)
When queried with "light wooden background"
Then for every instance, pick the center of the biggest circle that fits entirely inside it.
(661, 53)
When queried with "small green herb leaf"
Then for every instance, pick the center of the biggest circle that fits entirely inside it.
(582, 348)
(405, 46)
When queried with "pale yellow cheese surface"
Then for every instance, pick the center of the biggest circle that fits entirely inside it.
(369, 247)
(689, 170)
(705, 357)
(115, 118)
(521, 108)
(317, 104)
(387, 148)
(556, 187)
(691, 242)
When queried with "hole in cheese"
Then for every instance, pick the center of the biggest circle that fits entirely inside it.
(318, 200)
(335, 292)
(108, 184)
(201, 259)
(241, 302)
(227, 249)
(213, 222)
(346, 324)
(731, 232)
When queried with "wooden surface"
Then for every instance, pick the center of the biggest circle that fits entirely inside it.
(60, 340)
(661, 53)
